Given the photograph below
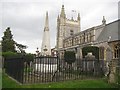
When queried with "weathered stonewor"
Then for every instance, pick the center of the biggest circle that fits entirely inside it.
(112, 76)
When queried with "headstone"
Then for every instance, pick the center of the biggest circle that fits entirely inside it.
(89, 56)
(107, 70)
(89, 59)
(112, 76)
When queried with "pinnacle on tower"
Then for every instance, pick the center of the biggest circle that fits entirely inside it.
(104, 21)
(63, 12)
(78, 18)
(46, 22)
(72, 18)
(58, 18)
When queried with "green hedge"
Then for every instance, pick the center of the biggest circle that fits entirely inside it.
(69, 57)
(27, 57)
(11, 55)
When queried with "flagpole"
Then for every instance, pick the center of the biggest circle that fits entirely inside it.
(73, 11)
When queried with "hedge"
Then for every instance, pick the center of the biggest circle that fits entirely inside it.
(9, 54)
(69, 57)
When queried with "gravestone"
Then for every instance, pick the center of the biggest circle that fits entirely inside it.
(112, 75)
(89, 59)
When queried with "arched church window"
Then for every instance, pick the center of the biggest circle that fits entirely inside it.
(88, 37)
(80, 39)
(101, 53)
(76, 41)
(84, 37)
(71, 32)
(116, 51)
(91, 37)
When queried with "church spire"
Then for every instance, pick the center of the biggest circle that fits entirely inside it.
(78, 18)
(63, 12)
(46, 22)
(103, 21)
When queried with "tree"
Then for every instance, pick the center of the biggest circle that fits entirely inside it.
(21, 47)
(69, 57)
(8, 42)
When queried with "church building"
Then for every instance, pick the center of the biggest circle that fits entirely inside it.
(66, 27)
(104, 36)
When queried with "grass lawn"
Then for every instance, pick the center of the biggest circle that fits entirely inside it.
(99, 83)
(0, 78)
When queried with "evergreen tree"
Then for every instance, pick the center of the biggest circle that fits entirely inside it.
(21, 47)
(8, 44)
(69, 57)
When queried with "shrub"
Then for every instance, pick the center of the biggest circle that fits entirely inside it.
(29, 57)
(69, 57)
(11, 55)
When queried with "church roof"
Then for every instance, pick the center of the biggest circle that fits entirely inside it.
(110, 32)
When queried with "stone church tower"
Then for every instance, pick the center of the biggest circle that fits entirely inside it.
(45, 49)
(66, 27)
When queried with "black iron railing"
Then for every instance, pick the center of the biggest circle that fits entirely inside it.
(52, 69)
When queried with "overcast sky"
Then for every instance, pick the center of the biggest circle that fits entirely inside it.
(26, 18)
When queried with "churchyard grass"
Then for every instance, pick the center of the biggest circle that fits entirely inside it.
(0, 78)
(91, 83)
